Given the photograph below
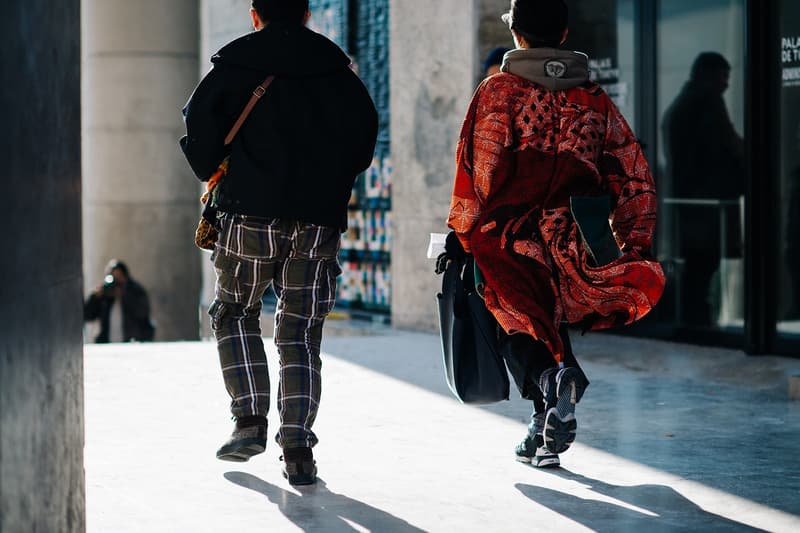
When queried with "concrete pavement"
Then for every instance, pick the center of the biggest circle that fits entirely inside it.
(670, 438)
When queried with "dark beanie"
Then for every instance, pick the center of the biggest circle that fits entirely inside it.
(117, 264)
(540, 22)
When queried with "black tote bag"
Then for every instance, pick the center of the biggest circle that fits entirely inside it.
(474, 368)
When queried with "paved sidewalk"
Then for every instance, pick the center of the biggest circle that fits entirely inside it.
(670, 438)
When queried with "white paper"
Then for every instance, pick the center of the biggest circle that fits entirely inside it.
(436, 246)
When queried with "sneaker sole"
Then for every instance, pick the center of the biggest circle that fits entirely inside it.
(547, 462)
(539, 462)
(242, 451)
(559, 432)
(567, 382)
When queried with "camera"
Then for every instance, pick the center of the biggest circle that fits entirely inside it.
(109, 283)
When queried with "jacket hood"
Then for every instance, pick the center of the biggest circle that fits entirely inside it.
(552, 68)
(284, 50)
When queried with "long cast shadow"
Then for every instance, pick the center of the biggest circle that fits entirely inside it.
(317, 508)
(657, 507)
(643, 412)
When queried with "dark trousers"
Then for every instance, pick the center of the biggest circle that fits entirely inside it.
(527, 359)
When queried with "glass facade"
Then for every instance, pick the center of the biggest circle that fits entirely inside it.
(680, 71)
(701, 160)
(603, 29)
(788, 276)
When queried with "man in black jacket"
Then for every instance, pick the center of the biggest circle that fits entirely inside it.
(122, 307)
(282, 208)
(705, 157)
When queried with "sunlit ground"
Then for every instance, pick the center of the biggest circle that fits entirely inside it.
(670, 438)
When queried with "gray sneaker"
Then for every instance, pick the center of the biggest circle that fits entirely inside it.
(532, 450)
(249, 438)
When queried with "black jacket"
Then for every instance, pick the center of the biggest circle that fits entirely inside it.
(136, 325)
(704, 153)
(705, 158)
(305, 142)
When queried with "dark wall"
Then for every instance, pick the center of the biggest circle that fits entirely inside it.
(41, 355)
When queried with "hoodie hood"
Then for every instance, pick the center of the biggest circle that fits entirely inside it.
(549, 67)
(284, 50)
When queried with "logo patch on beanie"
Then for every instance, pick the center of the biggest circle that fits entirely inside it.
(555, 68)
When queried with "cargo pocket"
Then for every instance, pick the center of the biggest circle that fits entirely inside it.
(216, 311)
(229, 286)
(220, 311)
(333, 272)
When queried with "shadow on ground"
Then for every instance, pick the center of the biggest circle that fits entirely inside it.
(612, 508)
(712, 416)
(316, 508)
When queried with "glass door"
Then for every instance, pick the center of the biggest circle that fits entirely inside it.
(788, 267)
(700, 167)
(604, 30)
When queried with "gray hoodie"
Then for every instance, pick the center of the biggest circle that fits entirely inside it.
(551, 68)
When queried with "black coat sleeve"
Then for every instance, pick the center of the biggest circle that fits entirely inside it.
(93, 307)
(369, 131)
(203, 145)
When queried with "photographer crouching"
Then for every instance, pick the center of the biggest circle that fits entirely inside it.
(122, 307)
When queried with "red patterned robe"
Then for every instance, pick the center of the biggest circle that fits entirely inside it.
(523, 152)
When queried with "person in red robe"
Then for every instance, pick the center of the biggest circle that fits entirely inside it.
(536, 135)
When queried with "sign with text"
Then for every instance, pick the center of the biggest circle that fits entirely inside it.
(593, 30)
(790, 58)
(789, 185)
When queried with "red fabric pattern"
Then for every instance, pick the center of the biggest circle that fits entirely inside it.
(523, 152)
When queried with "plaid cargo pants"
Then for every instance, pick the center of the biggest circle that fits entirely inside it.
(301, 261)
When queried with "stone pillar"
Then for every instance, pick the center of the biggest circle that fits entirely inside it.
(436, 54)
(221, 21)
(140, 197)
(41, 358)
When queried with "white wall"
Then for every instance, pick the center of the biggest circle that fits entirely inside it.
(140, 200)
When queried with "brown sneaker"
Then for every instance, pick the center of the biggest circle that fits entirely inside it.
(249, 438)
(299, 466)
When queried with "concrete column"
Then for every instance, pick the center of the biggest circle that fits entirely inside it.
(140, 198)
(432, 78)
(435, 56)
(221, 21)
(41, 357)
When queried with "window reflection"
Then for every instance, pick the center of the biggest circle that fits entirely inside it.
(705, 164)
(698, 155)
(701, 165)
(789, 266)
